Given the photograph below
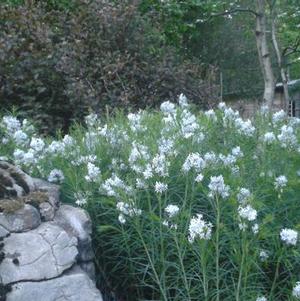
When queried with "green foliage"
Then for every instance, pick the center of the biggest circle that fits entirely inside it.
(59, 65)
(149, 256)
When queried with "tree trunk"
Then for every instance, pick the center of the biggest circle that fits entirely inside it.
(264, 54)
(283, 72)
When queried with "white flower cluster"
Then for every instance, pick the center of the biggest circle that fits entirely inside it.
(193, 161)
(160, 165)
(171, 211)
(114, 185)
(91, 119)
(280, 182)
(296, 290)
(81, 198)
(247, 213)
(210, 114)
(278, 116)
(135, 122)
(289, 236)
(218, 187)
(127, 210)
(243, 195)
(160, 187)
(56, 176)
(93, 172)
(263, 255)
(269, 138)
(168, 107)
(199, 228)
(261, 298)
(287, 137)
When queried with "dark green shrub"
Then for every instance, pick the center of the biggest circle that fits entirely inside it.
(56, 65)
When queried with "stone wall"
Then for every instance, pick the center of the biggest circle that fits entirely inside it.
(45, 247)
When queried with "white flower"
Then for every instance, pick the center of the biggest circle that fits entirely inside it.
(287, 137)
(11, 124)
(56, 147)
(255, 228)
(172, 210)
(280, 182)
(247, 213)
(160, 187)
(135, 122)
(217, 186)
(263, 255)
(93, 172)
(112, 186)
(56, 176)
(68, 140)
(160, 165)
(269, 137)
(289, 236)
(80, 198)
(165, 146)
(198, 228)
(91, 119)
(127, 209)
(20, 137)
(188, 124)
(168, 107)
(244, 127)
(210, 114)
(236, 151)
(148, 172)
(182, 100)
(222, 106)
(122, 218)
(278, 116)
(199, 178)
(296, 290)
(243, 195)
(37, 144)
(194, 160)
(262, 298)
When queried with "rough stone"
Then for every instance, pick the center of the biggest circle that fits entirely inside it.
(43, 253)
(47, 211)
(3, 232)
(74, 286)
(89, 268)
(24, 219)
(51, 189)
(77, 222)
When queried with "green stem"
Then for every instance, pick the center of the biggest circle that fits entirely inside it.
(203, 265)
(217, 249)
(275, 277)
(182, 268)
(237, 298)
(152, 267)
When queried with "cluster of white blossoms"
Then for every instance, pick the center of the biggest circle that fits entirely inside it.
(91, 119)
(199, 228)
(278, 117)
(280, 182)
(243, 195)
(171, 212)
(261, 298)
(114, 185)
(287, 137)
(160, 165)
(56, 176)
(160, 187)
(81, 198)
(247, 212)
(296, 290)
(289, 236)
(93, 172)
(127, 210)
(189, 124)
(218, 187)
(194, 161)
(135, 122)
(269, 138)
(263, 255)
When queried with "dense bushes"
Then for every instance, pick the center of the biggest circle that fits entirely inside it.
(55, 65)
(185, 206)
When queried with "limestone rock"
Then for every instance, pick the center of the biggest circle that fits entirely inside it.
(47, 211)
(24, 219)
(77, 222)
(43, 253)
(74, 286)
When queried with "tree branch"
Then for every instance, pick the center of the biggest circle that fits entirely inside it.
(233, 11)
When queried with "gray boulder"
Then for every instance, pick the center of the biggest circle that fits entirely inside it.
(23, 219)
(74, 286)
(43, 253)
(77, 222)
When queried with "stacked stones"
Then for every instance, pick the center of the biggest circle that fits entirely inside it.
(45, 247)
